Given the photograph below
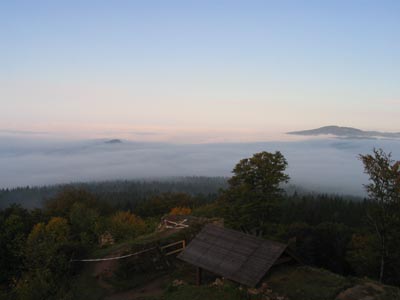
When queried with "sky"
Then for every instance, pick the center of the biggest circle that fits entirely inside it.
(197, 71)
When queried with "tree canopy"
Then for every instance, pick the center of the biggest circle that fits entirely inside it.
(384, 211)
(254, 190)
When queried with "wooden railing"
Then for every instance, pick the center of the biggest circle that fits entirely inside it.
(173, 245)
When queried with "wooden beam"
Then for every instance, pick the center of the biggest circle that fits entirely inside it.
(173, 244)
(182, 243)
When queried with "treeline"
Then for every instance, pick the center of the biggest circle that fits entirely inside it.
(125, 193)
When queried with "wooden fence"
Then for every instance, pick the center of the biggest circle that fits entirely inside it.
(165, 250)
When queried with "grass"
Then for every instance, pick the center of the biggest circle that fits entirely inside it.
(145, 241)
(307, 283)
(297, 283)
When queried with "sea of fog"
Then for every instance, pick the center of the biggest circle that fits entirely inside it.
(323, 165)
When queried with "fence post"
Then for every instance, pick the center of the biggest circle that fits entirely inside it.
(199, 275)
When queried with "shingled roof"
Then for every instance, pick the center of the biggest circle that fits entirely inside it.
(232, 254)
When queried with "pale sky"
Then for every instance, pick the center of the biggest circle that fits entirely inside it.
(198, 71)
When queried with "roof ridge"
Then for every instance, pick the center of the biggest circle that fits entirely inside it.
(246, 234)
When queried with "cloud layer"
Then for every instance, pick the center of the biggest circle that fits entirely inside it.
(328, 165)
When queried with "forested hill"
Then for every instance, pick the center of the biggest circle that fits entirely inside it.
(347, 132)
(118, 191)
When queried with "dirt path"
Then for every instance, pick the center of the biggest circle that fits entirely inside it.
(105, 269)
(154, 288)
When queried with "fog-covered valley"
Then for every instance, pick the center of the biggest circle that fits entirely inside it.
(324, 165)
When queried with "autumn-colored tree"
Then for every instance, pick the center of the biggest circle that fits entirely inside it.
(124, 224)
(181, 211)
(44, 241)
(384, 194)
(83, 211)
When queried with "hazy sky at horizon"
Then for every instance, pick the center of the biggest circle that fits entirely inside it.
(198, 70)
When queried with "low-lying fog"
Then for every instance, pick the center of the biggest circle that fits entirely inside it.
(328, 165)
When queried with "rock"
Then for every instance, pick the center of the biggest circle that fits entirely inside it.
(178, 282)
(218, 282)
(253, 291)
(106, 239)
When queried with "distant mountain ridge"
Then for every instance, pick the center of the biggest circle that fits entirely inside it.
(346, 132)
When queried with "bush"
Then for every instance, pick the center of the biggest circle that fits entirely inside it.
(180, 211)
(124, 225)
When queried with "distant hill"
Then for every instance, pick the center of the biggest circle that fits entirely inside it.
(346, 132)
(114, 141)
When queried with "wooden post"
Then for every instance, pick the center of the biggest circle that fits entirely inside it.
(199, 275)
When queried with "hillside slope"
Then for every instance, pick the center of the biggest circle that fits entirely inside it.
(291, 282)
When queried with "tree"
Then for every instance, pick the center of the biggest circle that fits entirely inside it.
(64, 201)
(15, 225)
(83, 222)
(384, 194)
(363, 254)
(254, 191)
(124, 225)
(12, 241)
(331, 241)
(162, 204)
(44, 242)
(48, 252)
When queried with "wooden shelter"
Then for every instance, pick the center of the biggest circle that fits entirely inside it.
(233, 255)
